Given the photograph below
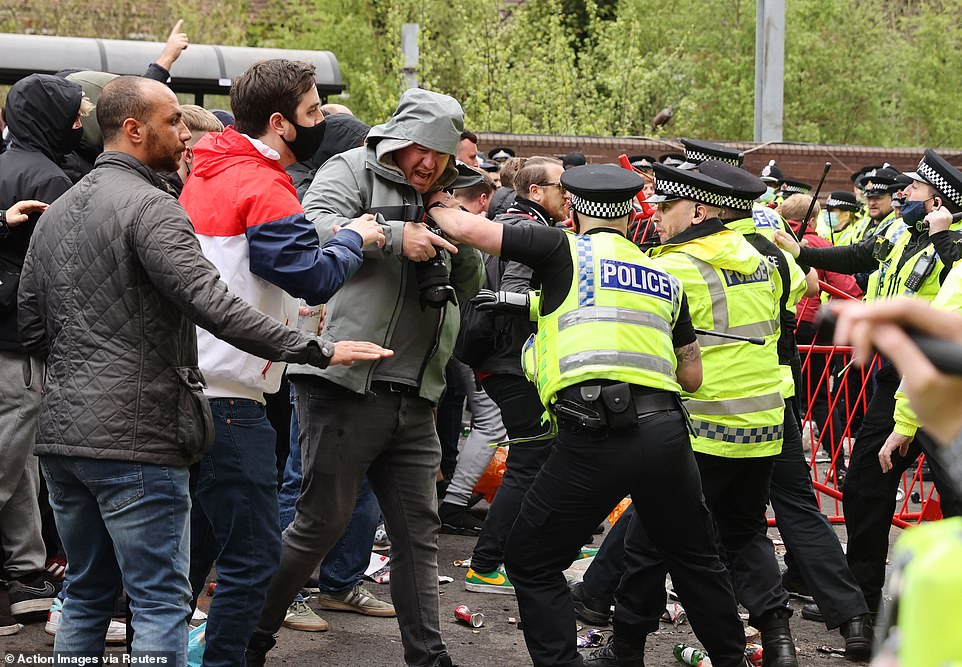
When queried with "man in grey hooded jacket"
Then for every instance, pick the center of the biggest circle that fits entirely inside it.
(376, 419)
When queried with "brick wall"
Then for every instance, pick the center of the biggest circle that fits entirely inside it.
(803, 162)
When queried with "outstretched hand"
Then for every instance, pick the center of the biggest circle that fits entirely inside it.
(177, 43)
(346, 352)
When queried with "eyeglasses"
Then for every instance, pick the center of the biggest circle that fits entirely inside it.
(552, 185)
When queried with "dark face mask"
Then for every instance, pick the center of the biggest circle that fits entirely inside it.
(306, 140)
(74, 137)
(913, 213)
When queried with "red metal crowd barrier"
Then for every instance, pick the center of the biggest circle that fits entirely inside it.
(837, 395)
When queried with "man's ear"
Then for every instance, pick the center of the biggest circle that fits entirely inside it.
(134, 130)
(277, 123)
(701, 213)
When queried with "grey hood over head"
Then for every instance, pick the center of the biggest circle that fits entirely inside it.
(422, 117)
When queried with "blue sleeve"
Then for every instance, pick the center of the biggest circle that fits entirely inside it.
(287, 253)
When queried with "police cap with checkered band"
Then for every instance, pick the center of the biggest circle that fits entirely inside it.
(697, 152)
(878, 182)
(842, 200)
(746, 187)
(602, 190)
(672, 183)
(937, 172)
(792, 187)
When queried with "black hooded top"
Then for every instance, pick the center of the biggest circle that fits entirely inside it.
(342, 133)
(40, 112)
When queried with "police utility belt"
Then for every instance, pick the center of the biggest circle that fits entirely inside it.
(594, 406)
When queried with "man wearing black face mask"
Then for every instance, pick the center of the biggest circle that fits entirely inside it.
(913, 263)
(43, 116)
(251, 226)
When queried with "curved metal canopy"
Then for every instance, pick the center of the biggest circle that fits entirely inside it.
(202, 68)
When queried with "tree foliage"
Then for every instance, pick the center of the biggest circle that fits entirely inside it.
(878, 72)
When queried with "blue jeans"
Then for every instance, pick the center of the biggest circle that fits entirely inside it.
(235, 524)
(347, 560)
(119, 519)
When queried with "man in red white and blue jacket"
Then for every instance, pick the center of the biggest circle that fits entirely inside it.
(251, 226)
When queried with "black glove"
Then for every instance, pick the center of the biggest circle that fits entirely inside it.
(502, 302)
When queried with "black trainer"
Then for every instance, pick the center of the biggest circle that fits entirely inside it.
(8, 624)
(593, 611)
(33, 595)
(601, 657)
(457, 520)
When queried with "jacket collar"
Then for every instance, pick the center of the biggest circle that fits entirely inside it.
(528, 207)
(705, 228)
(119, 160)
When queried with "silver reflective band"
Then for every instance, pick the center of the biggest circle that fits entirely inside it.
(719, 300)
(758, 329)
(736, 406)
(647, 362)
(738, 436)
(610, 314)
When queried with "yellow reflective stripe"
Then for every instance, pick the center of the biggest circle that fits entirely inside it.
(738, 436)
(736, 406)
(759, 329)
(648, 362)
(719, 300)
(612, 314)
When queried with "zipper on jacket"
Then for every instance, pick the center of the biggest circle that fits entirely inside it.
(392, 325)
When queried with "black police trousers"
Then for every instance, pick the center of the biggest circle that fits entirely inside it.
(586, 474)
(869, 495)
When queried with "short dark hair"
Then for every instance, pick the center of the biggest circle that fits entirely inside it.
(266, 88)
(470, 136)
(485, 187)
(121, 99)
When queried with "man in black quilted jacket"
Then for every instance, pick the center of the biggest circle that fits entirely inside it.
(111, 289)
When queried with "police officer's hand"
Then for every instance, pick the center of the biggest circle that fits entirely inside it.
(787, 242)
(893, 442)
(372, 233)
(419, 241)
(504, 302)
(346, 352)
(881, 326)
(21, 211)
(939, 220)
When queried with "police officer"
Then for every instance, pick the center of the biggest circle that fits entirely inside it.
(738, 412)
(614, 349)
(814, 550)
(916, 264)
(841, 212)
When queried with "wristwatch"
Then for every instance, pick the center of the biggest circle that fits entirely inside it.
(437, 204)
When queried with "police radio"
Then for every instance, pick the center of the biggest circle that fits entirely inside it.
(923, 267)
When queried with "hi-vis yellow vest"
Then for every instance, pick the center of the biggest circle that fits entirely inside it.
(949, 299)
(738, 412)
(615, 323)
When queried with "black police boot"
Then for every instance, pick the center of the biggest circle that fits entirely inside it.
(631, 653)
(778, 648)
(859, 633)
(593, 611)
(257, 648)
(811, 612)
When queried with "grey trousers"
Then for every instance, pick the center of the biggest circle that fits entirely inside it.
(20, 536)
(391, 438)
(476, 452)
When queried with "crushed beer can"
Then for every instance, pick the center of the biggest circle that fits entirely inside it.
(754, 654)
(674, 613)
(594, 638)
(466, 616)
